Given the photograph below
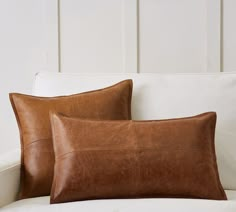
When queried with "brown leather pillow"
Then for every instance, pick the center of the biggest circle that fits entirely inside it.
(32, 114)
(134, 159)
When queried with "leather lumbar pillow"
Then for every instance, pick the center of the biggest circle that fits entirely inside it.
(132, 159)
(32, 114)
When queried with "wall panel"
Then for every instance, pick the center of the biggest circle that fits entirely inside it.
(28, 45)
(172, 35)
(93, 35)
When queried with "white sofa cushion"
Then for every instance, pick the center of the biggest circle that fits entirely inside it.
(137, 205)
(161, 96)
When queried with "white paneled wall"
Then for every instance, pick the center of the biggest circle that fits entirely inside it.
(28, 44)
(147, 35)
(109, 36)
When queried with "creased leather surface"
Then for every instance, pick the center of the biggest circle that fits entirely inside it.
(32, 114)
(133, 159)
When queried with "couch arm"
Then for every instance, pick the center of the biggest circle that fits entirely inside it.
(9, 177)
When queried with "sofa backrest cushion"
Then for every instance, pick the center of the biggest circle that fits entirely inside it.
(162, 96)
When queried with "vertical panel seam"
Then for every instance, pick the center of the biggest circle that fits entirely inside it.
(59, 34)
(130, 32)
(123, 37)
(214, 39)
(138, 36)
(221, 36)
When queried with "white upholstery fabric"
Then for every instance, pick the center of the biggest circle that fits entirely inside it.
(161, 96)
(9, 177)
(137, 205)
(156, 96)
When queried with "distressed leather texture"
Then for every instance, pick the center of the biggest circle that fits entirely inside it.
(32, 114)
(134, 159)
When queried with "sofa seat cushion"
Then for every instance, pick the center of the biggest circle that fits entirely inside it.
(126, 205)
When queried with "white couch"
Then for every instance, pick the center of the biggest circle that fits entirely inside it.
(155, 96)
